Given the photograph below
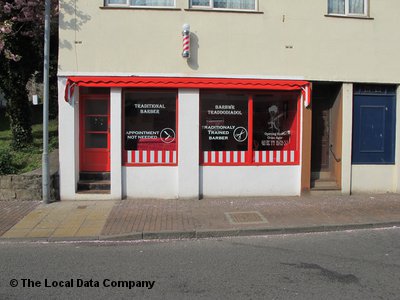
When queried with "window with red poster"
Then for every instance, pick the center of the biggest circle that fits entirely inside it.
(276, 128)
(250, 128)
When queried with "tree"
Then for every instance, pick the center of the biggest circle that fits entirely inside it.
(21, 56)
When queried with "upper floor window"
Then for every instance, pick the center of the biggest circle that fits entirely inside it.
(225, 4)
(141, 3)
(348, 7)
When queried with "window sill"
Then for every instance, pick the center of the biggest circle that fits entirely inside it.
(224, 10)
(349, 17)
(139, 8)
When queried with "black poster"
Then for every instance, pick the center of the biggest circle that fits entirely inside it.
(224, 122)
(150, 120)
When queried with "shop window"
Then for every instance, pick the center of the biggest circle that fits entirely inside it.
(141, 3)
(348, 7)
(249, 129)
(150, 127)
(224, 122)
(273, 123)
(374, 131)
(225, 4)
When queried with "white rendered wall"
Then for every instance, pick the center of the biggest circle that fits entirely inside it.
(188, 144)
(250, 181)
(347, 130)
(116, 142)
(68, 135)
(373, 179)
(150, 182)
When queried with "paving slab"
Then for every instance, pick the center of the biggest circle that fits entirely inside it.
(213, 217)
(134, 219)
(11, 212)
(65, 219)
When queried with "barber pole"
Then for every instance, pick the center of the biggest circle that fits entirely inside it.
(306, 95)
(186, 41)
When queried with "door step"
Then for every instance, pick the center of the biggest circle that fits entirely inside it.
(94, 176)
(94, 183)
(325, 193)
(324, 185)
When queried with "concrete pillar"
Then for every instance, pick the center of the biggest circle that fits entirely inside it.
(116, 142)
(347, 91)
(188, 143)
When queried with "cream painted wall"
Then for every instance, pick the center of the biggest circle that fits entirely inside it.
(347, 127)
(373, 179)
(287, 39)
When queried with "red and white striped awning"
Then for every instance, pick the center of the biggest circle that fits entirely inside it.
(189, 82)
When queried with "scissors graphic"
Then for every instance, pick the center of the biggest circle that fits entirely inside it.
(240, 134)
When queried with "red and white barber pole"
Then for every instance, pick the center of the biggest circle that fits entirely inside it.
(186, 41)
(306, 95)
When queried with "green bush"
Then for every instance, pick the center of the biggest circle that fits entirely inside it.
(6, 162)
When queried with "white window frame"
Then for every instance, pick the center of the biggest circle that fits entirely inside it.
(127, 4)
(211, 6)
(347, 9)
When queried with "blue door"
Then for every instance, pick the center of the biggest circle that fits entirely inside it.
(374, 119)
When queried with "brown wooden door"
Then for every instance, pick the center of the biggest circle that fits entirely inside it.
(320, 136)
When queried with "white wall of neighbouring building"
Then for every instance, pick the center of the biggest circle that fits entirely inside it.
(373, 179)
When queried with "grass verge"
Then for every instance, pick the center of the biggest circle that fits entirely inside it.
(30, 158)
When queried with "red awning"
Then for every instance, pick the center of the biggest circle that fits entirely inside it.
(187, 82)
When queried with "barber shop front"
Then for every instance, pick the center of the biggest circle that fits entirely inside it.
(159, 137)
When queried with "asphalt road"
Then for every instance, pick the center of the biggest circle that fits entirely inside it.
(362, 264)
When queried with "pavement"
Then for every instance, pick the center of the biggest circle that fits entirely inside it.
(142, 219)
